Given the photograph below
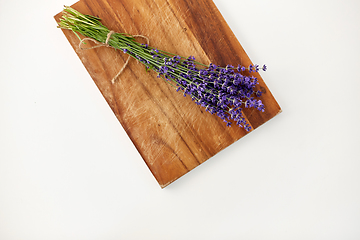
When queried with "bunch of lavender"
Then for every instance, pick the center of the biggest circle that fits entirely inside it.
(223, 91)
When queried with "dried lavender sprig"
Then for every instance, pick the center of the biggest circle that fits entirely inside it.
(221, 90)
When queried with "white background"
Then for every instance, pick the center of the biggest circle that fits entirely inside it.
(69, 171)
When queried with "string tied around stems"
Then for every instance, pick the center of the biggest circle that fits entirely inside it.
(100, 44)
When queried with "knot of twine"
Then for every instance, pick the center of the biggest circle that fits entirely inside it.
(100, 44)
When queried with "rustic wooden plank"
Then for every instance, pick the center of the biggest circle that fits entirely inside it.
(172, 134)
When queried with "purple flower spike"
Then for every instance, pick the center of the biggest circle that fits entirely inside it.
(258, 93)
(251, 68)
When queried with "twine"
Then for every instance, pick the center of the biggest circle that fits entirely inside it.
(100, 44)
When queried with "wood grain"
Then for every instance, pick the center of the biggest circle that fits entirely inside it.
(172, 134)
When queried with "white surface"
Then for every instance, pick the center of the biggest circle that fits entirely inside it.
(69, 171)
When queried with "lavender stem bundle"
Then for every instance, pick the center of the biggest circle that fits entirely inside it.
(223, 91)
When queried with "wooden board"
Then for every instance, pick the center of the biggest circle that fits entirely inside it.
(172, 134)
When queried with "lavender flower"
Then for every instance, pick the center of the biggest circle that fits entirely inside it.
(223, 91)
